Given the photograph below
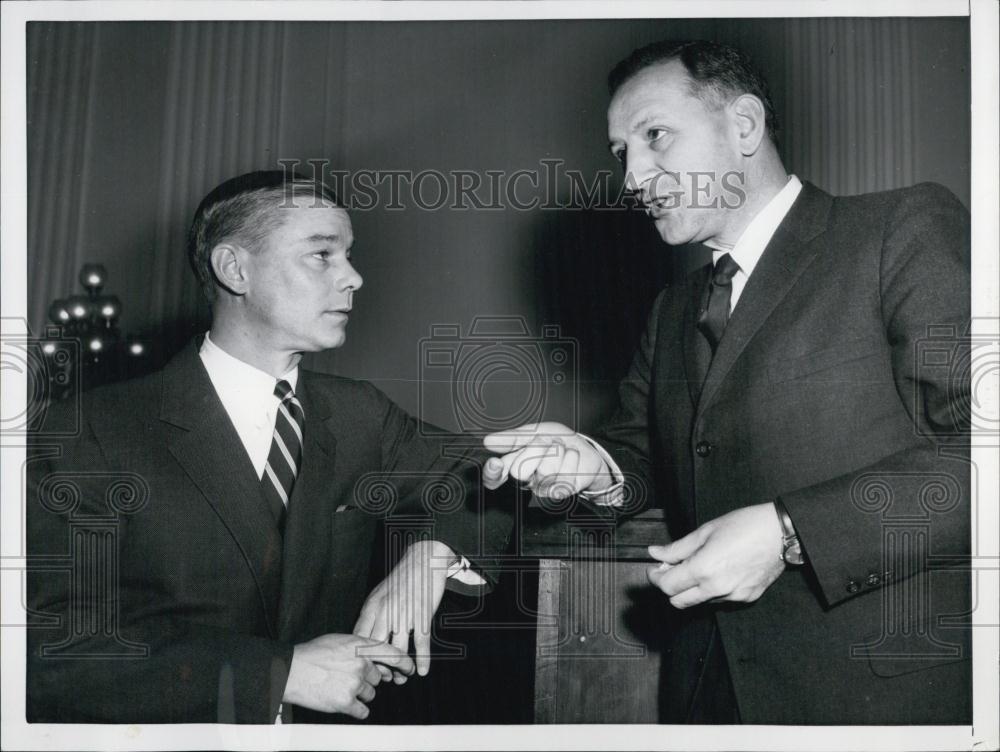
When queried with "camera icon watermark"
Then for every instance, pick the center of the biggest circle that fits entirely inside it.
(967, 363)
(497, 376)
(50, 368)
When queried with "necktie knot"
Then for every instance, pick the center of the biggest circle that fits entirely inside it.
(283, 390)
(725, 270)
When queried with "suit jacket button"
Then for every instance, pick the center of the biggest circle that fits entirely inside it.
(852, 586)
(874, 580)
(703, 448)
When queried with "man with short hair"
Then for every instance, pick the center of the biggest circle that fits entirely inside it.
(812, 464)
(238, 574)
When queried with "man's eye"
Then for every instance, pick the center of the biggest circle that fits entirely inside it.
(655, 134)
(323, 255)
(619, 154)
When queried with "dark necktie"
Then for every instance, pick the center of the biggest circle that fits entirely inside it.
(713, 317)
(285, 457)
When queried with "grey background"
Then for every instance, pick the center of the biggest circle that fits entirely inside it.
(130, 124)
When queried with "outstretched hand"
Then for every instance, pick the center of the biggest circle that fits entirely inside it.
(551, 459)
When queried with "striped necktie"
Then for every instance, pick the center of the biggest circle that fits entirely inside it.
(285, 457)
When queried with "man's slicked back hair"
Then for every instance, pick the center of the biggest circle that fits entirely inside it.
(718, 73)
(245, 210)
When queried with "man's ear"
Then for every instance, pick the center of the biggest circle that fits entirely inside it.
(229, 266)
(750, 121)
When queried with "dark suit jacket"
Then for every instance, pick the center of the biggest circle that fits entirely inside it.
(841, 385)
(160, 587)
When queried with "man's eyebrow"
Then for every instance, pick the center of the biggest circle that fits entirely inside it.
(636, 126)
(639, 125)
(320, 238)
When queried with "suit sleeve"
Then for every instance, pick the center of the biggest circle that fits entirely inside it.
(925, 308)
(439, 478)
(626, 436)
(93, 656)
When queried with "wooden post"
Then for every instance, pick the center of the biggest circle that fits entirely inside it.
(600, 625)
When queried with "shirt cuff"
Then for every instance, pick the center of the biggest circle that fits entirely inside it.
(463, 572)
(614, 494)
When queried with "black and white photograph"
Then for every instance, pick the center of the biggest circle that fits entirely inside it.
(500, 375)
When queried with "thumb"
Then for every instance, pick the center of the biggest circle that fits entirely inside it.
(366, 622)
(495, 473)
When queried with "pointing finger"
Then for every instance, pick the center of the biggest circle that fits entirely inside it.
(503, 442)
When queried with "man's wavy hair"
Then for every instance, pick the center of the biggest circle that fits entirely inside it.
(245, 210)
(717, 73)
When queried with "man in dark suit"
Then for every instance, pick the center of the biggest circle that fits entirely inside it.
(222, 513)
(811, 459)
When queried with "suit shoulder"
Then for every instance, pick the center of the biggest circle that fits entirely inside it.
(90, 424)
(132, 399)
(348, 393)
(331, 383)
(914, 199)
(132, 396)
(925, 221)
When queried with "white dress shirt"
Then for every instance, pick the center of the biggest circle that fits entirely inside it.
(746, 253)
(754, 239)
(247, 393)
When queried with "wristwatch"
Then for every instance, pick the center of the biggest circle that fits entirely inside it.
(791, 549)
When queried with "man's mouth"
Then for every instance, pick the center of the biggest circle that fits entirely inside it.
(657, 207)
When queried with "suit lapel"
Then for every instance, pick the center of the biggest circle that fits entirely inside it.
(211, 453)
(792, 248)
(310, 510)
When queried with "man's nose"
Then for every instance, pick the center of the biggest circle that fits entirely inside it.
(351, 280)
(640, 170)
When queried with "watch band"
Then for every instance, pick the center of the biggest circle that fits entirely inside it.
(787, 528)
(791, 549)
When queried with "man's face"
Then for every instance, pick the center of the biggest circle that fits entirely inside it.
(678, 151)
(301, 280)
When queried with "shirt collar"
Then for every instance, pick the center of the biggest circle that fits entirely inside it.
(751, 244)
(232, 374)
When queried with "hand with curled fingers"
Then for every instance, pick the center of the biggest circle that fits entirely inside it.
(734, 557)
(551, 459)
(405, 602)
(338, 673)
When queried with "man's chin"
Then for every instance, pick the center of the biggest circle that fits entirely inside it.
(329, 340)
(671, 233)
(336, 340)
